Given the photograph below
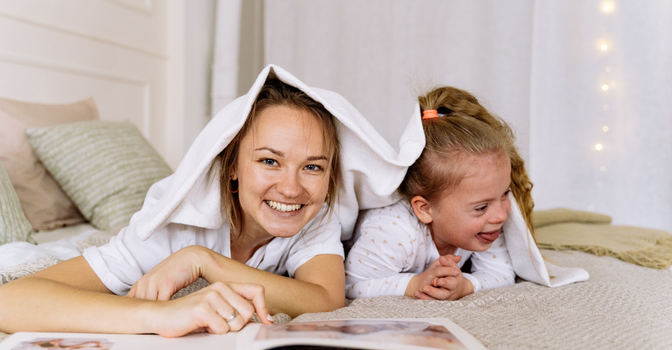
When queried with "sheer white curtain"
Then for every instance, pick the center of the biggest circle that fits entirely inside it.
(538, 64)
(601, 108)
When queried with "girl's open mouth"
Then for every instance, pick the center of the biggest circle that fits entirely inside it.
(285, 208)
(489, 236)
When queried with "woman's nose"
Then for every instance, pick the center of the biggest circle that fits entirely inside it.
(289, 185)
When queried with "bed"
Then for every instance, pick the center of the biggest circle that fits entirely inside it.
(105, 168)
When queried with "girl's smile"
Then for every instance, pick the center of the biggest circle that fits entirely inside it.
(472, 214)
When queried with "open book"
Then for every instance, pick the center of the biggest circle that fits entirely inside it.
(420, 334)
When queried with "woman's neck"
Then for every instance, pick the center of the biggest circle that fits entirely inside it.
(245, 244)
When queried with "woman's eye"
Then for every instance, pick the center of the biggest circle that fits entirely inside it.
(268, 161)
(313, 167)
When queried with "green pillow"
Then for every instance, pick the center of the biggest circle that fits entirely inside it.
(105, 167)
(14, 226)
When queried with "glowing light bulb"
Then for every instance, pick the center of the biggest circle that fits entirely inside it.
(607, 69)
(603, 168)
(605, 128)
(598, 147)
(605, 87)
(603, 47)
(607, 8)
(606, 107)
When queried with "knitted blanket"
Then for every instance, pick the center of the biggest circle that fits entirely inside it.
(564, 229)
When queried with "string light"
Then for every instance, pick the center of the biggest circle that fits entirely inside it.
(605, 87)
(603, 47)
(598, 147)
(605, 128)
(607, 69)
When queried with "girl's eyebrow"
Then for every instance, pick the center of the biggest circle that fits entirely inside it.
(280, 154)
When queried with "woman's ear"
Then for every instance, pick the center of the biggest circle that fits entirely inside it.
(234, 175)
(422, 209)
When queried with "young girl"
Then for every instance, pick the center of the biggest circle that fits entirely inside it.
(261, 195)
(455, 200)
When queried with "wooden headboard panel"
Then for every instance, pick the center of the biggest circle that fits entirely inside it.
(115, 51)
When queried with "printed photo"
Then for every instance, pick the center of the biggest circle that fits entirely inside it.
(64, 343)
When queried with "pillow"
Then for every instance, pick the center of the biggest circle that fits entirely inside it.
(44, 203)
(105, 167)
(14, 227)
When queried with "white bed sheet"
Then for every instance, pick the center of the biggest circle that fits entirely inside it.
(60, 243)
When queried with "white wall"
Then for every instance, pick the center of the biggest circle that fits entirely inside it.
(132, 56)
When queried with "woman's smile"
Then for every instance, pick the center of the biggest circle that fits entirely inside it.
(281, 172)
(281, 207)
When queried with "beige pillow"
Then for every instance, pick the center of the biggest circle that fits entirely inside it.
(105, 167)
(44, 203)
(14, 227)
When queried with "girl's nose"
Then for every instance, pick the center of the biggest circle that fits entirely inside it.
(289, 185)
(501, 212)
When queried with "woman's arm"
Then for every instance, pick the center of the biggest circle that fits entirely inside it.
(69, 297)
(318, 285)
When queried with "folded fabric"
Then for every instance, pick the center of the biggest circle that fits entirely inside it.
(528, 263)
(636, 245)
(371, 169)
(541, 218)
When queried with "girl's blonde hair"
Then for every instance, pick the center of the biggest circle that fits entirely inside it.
(276, 93)
(463, 128)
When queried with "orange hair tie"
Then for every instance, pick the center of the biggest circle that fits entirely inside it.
(430, 114)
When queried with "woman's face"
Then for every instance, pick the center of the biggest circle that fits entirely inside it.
(281, 172)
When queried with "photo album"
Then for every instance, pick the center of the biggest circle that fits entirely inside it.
(375, 334)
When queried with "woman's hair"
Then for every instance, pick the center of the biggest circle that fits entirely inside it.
(276, 93)
(464, 128)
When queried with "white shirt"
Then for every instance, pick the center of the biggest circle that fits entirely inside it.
(126, 258)
(393, 246)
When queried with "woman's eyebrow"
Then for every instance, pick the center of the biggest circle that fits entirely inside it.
(317, 158)
(274, 151)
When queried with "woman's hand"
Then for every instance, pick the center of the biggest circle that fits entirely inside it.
(208, 309)
(174, 273)
(443, 280)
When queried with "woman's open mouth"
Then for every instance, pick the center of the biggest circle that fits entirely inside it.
(285, 208)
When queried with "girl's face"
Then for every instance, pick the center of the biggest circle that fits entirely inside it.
(471, 216)
(281, 172)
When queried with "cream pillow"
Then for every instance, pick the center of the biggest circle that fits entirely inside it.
(105, 167)
(14, 227)
(44, 203)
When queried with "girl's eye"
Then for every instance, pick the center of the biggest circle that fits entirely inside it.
(482, 208)
(507, 192)
(270, 162)
(313, 167)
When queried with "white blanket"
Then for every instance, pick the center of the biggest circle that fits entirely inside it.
(371, 169)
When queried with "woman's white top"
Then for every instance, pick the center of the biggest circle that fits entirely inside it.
(126, 258)
(393, 246)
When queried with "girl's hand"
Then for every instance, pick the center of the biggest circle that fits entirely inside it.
(172, 274)
(448, 287)
(444, 266)
(208, 309)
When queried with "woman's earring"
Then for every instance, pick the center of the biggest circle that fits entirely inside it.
(229, 185)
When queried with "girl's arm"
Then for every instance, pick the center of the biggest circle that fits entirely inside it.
(492, 268)
(69, 297)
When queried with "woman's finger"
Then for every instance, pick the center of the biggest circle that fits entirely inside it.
(256, 294)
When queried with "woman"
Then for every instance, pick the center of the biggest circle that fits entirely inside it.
(254, 199)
